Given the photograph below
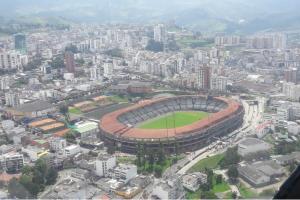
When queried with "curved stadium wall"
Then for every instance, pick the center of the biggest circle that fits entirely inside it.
(118, 129)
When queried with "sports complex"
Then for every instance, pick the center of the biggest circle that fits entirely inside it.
(178, 124)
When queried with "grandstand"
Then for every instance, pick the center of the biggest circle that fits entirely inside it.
(120, 127)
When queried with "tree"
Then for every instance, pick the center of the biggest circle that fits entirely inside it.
(158, 171)
(285, 148)
(210, 177)
(51, 176)
(154, 46)
(58, 62)
(233, 173)
(234, 195)
(151, 160)
(208, 195)
(139, 155)
(64, 110)
(26, 170)
(115, 52)
(231, 157)
(219, 179)
(72, 48)
(292, 167)
(172, 46)
(17, 190)
(31, 187)
(161, 155)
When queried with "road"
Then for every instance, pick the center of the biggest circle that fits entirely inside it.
(252, 118)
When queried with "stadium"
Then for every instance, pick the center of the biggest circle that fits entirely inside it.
(178, 124)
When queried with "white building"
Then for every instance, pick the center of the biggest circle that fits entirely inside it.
(104, 163)
(12, 60)
(108, 68)
(72, 150)
(5, 82)
(125, 172)
(11, 162)
(96, 73)
(11, 99)
(159, 33)
(58, 144)
(34, 152)
(218, 83)
(291, 90)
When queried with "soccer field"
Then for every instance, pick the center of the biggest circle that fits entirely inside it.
(173, 120)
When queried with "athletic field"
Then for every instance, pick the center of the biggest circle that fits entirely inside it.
(173, 120)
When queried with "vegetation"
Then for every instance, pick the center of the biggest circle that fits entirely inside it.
(64, 110)
(210, 163)
(70, 137)
(174, 120)
(73, 110)
(115, 52)
(119, 99)
(285, 148)
(153, 161)
(33, 180)
(72, 48)
(173, 46)
(194, 42)
(221, 186)
(215, 184)
(231, 158)
(246, 193)
(154, 46)
(233, 173)
(58, 62)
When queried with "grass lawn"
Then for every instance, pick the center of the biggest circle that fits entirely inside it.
(246, 193)
(193, 195)
(174, 120)
(73, 110)
(228, 195)
(118, 99)
(210, 162)
(191, 42)
(222, 187)
(125, 160)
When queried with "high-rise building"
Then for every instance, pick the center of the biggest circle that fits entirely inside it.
(70, 62)
(290, 75)
(104, 163)
(218, 83)
(159, 33)
(12, 60)
(291, 90)
(5, 82)
(203, 77)
(96, 73)
(108, 69)
(11, 99)
(20, 42)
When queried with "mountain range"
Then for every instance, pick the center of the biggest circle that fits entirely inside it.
(203, 15)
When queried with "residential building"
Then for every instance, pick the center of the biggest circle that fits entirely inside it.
(70, 62)
(11, 162)
(104, 163)
(124, 172)
(193, 181)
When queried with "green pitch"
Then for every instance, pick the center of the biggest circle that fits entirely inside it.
(173, 120)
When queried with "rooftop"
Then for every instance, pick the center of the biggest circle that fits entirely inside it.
(34, 106)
